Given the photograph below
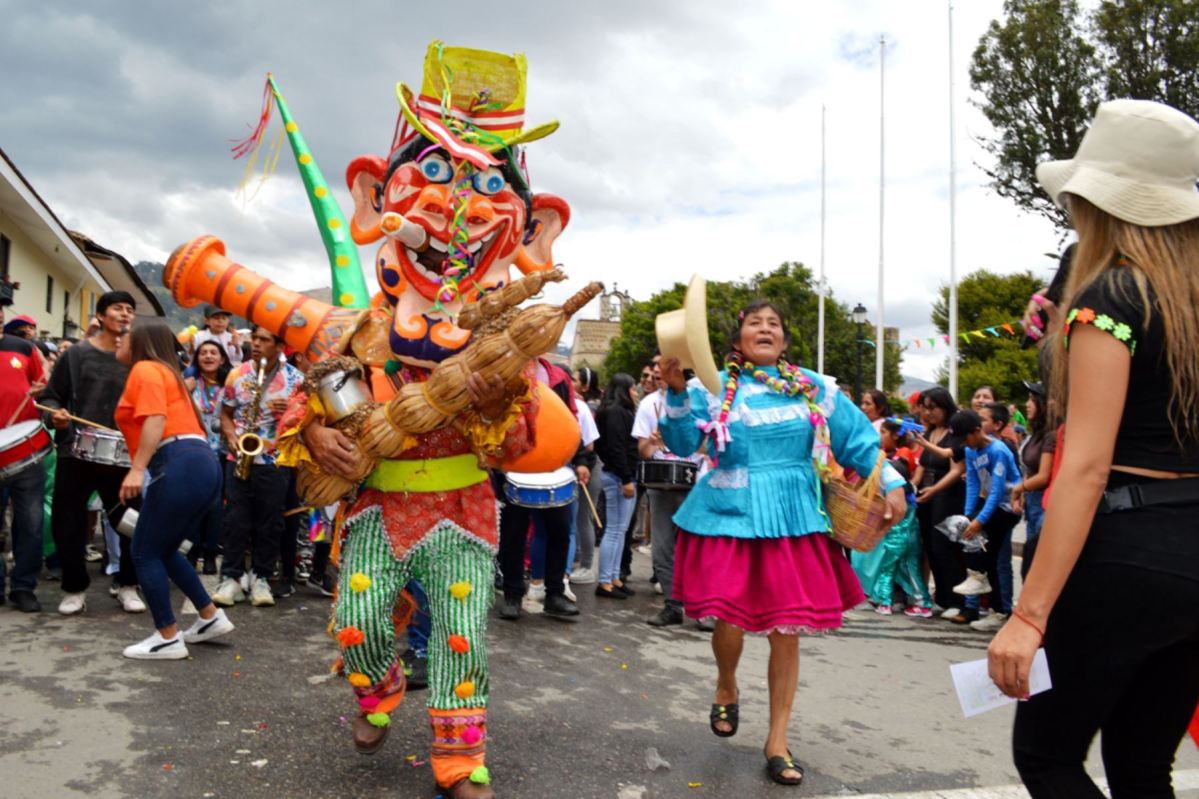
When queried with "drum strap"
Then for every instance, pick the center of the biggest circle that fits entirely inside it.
(428, 475)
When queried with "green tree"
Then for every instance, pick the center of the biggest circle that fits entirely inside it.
(986, 299)
(1150, 50)
(791, 287)
(1042, 70)
(1038, 76)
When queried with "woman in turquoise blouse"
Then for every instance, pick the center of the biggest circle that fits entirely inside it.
(753, 550)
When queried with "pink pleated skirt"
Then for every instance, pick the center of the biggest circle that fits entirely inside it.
(789, 585)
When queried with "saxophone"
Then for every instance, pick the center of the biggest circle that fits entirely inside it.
(250, 444)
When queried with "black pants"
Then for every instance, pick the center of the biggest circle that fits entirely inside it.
(514, 533)
(1123, 650)
(944, 556)
(254, 514)
(74, 482)
(998, 529)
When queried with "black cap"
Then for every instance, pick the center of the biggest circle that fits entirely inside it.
(964, 423)
(1037, 388)
(212, 310)
(112, 298)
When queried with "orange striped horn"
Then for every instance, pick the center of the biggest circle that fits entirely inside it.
(198, 271)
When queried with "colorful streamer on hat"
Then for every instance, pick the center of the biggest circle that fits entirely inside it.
(349, 286)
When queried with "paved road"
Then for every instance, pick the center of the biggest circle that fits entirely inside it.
(575, 708)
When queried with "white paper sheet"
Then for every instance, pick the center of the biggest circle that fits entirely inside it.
(978, 694)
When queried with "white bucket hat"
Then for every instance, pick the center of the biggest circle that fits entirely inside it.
(1139, 162)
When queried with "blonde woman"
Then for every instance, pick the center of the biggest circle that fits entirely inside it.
(1119, 537)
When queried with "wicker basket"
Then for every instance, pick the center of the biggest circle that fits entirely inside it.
(857, 510)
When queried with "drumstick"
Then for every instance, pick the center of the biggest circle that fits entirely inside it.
(17, 412)
(87, 422)
(594, 513)
(294, 511)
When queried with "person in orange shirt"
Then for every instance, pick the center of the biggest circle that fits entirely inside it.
(162, 428)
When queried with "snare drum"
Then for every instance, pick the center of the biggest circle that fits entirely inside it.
(23, 444)
(100, 446)
(542, 490)
(667, 475)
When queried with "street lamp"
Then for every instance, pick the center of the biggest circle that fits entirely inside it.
(859, 319)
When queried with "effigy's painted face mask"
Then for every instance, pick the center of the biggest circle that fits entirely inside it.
(447, 231)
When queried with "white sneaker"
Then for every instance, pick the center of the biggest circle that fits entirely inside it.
(228, 593)
(72, 604)
(260, 594)
(950, 613)
(645, 549)
(531, 605)
(583, 576)
(130, 601)
(187, 608)
(207, 629)
(990, 624)
(566, 590)
(536, 592)
(158, 648)
(975, 584)
(91, 554)
(246, 581)
(658, 588)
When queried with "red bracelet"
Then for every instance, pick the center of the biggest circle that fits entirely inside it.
(1028, 621)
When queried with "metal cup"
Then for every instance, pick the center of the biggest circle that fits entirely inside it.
(341, 393)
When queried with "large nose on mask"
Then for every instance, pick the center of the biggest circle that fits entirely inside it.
(434, 200)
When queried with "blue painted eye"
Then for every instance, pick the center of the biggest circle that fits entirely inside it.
(436, 169)
(489, 181)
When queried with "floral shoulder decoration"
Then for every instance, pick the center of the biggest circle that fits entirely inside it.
(1087, 316)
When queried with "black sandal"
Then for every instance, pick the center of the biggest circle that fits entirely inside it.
(775, 766)
(727, 714)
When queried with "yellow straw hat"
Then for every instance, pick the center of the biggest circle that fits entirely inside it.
(683, 334)
(472, 102)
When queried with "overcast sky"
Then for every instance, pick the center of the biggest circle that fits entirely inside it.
(690, 136)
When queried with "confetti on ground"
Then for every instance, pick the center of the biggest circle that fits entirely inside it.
(609, 649)
(234, 762)
(624, 666)
(262, 725)
(236, 674)
(243, 752)
(319, 678)
(66, 648)
(258, 763)
(695, 785)
(250, 732)
(167, 767)
(237, 657)
(410, 758)
(224, 723)
(419, 763)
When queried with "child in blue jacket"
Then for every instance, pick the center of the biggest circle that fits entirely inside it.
(990, 473)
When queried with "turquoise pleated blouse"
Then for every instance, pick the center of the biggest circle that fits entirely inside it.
(765, 484)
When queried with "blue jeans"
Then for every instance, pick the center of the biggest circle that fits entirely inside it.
(27, 489)
(421, 626)
(185, 482)
(1034, 513)
(620, 512)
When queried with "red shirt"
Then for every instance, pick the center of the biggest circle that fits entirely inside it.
(20, 367)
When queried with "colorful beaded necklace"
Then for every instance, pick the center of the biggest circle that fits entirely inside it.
(792, 382)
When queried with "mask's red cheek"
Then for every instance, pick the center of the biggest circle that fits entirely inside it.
(403, 189)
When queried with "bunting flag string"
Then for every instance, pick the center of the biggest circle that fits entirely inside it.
(1013, 329)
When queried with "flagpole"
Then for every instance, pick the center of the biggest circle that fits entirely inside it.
(953, 250)
(820, 284)
(882, 182)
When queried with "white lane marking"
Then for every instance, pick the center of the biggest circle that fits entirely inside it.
(1183, 781)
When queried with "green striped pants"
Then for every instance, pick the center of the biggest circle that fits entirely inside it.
(456, 571)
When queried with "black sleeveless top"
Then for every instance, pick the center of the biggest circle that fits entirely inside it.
(1145, 439)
